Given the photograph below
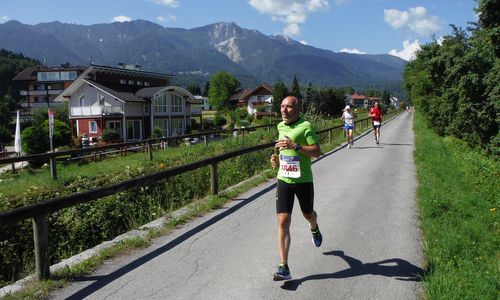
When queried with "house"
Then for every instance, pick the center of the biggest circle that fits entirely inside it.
(128, 100)
(370, 101)
(356, 100)
(40, 85)
(395, 101)
(256, 101)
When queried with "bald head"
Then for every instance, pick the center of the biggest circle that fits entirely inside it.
(290, 109)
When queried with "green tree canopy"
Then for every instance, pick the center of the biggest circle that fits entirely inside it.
(295, 88)
(455, 82)
(222, 86)
(280, 91)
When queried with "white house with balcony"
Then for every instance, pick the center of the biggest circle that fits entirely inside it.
(256, 101)
(132, 102)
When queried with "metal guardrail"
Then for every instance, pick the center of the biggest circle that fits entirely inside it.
(40, 211)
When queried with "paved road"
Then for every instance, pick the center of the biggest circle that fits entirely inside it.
(365, 198)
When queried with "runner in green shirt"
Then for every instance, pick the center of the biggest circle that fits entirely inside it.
(297, 143)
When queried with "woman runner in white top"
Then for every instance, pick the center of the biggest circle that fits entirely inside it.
(348, 117)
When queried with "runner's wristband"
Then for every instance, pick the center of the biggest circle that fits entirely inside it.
(297, 147)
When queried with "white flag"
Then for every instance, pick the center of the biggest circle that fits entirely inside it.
(17, 140)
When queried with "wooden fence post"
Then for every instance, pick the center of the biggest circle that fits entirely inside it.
(330, 136)
(53, 167)
(41, 247)
(214, 184)
(150, 150)
(205, 140)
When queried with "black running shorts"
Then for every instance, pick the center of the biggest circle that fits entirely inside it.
(286, 194)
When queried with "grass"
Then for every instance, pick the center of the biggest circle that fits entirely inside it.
(458, 200)
(43, 289)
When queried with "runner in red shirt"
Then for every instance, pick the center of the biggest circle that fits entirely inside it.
(376, 115)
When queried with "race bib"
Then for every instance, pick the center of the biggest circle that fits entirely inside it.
(290, 166)
(376, 123)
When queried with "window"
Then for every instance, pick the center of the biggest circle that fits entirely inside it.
(162, 124)
(68, 75)
(147, 109)
(115, 125)
(177, 126)
(139, 82)
(176, 103)
(134, 129)
(146, 83)
(92, 127)
(131, 82)
(160, 103)
(123, 81)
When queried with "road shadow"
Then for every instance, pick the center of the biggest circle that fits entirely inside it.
(398, 268)
(103, 280)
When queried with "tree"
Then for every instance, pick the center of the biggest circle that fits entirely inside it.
(279, 93)
(222, 86)
(386, 98)
(194, 89)
(309, 97)
(295, 88)
(206, 89)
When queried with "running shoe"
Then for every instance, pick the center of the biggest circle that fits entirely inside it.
(317, 237)
(283, 273)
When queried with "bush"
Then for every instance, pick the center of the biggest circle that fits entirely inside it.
(109, 135)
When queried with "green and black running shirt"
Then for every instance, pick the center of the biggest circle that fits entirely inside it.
(295, 167)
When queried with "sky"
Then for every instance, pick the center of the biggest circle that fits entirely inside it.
(396, 27)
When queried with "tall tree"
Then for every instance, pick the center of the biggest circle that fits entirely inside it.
(194, 89)
(280, 91)
(295, 88)
(222, 86)
(206, 89)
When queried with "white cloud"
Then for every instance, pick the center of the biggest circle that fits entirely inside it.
(291, 12)
(121, 19)
(303, 42)
(353, 51)
(415, 19)
(169, 3)
(409, 50)
(4, 19)
(167, 18)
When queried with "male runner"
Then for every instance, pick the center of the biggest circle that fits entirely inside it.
(297, 143)
(376, 114)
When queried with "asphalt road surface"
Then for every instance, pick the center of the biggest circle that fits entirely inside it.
(372, 248)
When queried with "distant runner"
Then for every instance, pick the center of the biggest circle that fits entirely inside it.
(376, 115)
(297, 143)
(348, 117)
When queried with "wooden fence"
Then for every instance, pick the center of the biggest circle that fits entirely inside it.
(119, 147)
(40, 211)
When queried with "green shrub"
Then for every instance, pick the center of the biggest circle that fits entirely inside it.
(109, 135)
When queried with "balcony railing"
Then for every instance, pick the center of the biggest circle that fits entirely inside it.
(80, 111)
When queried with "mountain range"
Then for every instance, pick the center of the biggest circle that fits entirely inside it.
(193, 55)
